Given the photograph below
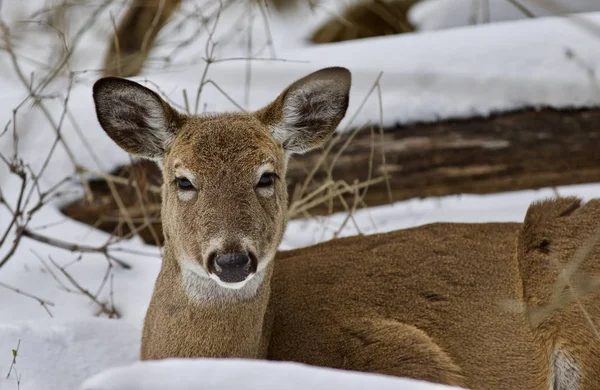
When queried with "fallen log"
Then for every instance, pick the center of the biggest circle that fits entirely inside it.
(521, 150)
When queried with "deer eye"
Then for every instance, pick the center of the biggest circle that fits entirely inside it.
(266, 180)
(184, 184)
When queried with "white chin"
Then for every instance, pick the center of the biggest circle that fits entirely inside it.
(231, 286)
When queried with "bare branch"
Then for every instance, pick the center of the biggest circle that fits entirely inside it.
(41, 301)
(104, 249)
(101, 305)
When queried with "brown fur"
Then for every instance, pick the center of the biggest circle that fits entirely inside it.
(422, 302)
(560, 237)
(171, 311)
(218, 151)
(225, 210)
(431, 303)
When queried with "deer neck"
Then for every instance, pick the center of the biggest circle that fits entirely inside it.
(208, 320)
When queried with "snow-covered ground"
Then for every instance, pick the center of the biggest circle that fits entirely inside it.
(61, 354)
(442, 14)
(244, 375)
(462, 72)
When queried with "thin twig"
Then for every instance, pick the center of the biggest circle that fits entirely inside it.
(79, 248)
(209, 53)
(382, 140)
(262, 7)
(15, 352)
(522, 8)
(102, 306)
(41, 301)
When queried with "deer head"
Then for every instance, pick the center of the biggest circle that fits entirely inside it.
(224, 195)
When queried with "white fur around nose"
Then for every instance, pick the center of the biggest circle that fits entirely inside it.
(232, 286)
(200, 286)
(203, 288)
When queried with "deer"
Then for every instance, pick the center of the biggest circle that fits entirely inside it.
(451, 303)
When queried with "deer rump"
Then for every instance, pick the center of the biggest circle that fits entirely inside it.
(470, 305)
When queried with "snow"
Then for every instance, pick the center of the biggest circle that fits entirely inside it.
(459, 73)
(427, 76)
(61, 354)
(442, 14)
(233, 374)
(502, 207)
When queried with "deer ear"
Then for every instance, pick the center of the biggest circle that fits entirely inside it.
(135, 117)
(305, 115)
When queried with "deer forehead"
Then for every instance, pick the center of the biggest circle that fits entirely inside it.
(229, 142)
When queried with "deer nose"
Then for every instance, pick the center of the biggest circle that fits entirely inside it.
(233, 267)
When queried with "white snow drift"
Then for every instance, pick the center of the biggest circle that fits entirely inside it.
(234, 374)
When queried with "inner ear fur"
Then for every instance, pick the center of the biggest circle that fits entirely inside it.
(135, 117)
(307, 112)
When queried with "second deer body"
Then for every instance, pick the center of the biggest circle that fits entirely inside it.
(452, 303)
